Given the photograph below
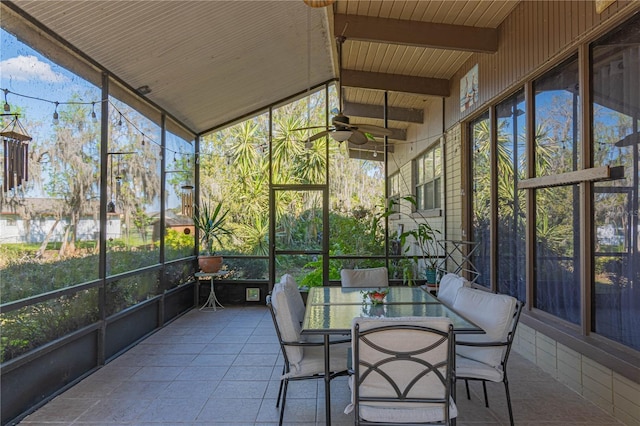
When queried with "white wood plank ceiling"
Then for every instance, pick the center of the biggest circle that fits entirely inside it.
(211, 62)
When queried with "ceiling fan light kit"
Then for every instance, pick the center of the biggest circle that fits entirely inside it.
(341, 135)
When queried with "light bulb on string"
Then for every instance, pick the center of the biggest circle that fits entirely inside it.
(120, 120)
(55, 115)
(143, 139)
(7, 107)
(93, 112)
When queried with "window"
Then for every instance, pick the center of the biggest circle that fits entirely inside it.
(511, 164)
(557, 282)
(428, 179)
(616, 115)
(481, 197)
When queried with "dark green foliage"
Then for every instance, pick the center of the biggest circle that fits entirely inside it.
(247, 268)
(35, 325)
(128, 291)
(32, 326)
(314, 277)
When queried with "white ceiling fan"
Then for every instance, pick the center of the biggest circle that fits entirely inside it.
(341, 129)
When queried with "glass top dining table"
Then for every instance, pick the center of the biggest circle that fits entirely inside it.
(331, 310)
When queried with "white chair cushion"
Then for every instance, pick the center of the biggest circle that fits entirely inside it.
(289, 326)
(401, 412)
(416, 414)
(448, 288)
(313, 360)
(494, 314)
(471, 369)
(291, 288)
(368, 277)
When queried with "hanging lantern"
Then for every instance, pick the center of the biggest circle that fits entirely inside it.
(16, 158)
(186, 196)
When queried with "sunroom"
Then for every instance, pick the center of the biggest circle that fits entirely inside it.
(510, 128)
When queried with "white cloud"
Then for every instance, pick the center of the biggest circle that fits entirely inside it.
(27, 68)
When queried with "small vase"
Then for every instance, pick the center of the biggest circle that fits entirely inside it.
(430, 275)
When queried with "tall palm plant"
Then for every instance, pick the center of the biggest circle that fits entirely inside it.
(210, 221)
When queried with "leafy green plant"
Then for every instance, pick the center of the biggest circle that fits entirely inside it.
(422, 234)
(210, 221)
(407, 266)
(314, 278)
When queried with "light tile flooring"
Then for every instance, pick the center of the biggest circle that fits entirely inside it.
(223, 368)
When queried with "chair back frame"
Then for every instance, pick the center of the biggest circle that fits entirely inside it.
(401, 395)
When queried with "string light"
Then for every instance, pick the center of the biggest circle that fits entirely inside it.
(93, 115)
(55, 115)
(7, 107)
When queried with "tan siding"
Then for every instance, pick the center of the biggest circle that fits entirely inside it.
(534, 34)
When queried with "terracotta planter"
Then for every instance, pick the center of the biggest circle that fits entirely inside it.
(210, 263)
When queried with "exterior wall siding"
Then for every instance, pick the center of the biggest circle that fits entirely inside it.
(615, 394)
(536, 34)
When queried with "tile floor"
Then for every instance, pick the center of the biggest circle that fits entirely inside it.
(223, 368)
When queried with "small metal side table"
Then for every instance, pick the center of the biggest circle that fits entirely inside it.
(212, 300)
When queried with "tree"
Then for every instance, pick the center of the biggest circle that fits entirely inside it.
(73, 173)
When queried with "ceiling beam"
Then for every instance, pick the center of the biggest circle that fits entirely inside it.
(365, 155)
(398, 134)
(371, 146)
(416, 33)
(411, 115)
(396, 83)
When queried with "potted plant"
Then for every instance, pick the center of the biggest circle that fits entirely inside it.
(210, 222)
(424, 237)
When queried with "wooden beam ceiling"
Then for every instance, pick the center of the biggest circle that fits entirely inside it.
(396, 83)
(411, 115)
(416, 33)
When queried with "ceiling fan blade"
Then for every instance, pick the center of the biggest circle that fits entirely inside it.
(374, 130)
(320, 135)
(340, 120)
(308, 128)
(358, 138)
